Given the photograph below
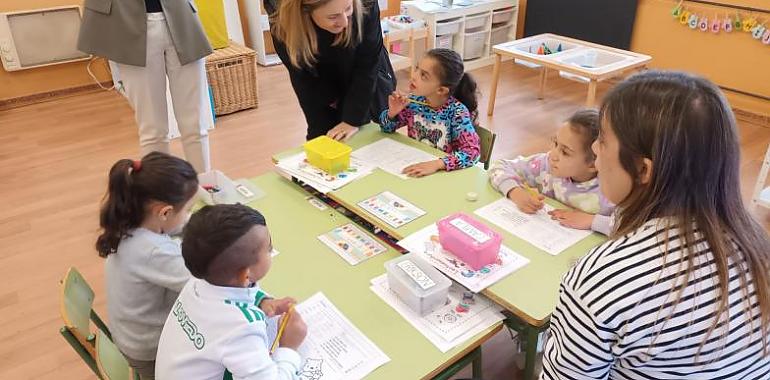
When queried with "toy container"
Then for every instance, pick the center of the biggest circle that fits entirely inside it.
(328, 154)
(421, 286)
(470, 240)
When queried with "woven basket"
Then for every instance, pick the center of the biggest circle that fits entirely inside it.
(232, 75)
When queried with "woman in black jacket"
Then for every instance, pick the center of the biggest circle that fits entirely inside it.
(338, 65)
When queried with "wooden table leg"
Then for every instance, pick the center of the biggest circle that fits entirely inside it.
(495, 79)
(543, 76)
(591, 100)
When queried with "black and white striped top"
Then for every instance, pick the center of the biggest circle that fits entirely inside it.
(616, 317)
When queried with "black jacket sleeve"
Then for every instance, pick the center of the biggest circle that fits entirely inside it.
(358, 98)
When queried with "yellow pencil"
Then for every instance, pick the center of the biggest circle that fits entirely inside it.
(282, 327)
(530, 190)
(419, 102)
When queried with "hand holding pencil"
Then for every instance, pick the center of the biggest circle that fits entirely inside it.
(527, 199)
(291, 331)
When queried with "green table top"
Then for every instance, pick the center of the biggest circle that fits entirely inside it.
(306, 266)
(531, 292)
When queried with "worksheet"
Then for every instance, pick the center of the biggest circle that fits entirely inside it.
(392, 156)
(391, 209)
(538, 229)
(425, 243)
(464, 315)
(334, 348)
(298, 167)
(351, 243)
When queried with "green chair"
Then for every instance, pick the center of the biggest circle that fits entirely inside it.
(111, 362)
(77, 299)
(487, 138)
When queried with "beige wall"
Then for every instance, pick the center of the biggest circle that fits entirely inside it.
(732, 60)
(41, 80)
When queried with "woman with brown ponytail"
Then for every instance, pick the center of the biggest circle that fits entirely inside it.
(338, 65)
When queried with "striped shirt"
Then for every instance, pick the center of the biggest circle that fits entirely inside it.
(617, 315)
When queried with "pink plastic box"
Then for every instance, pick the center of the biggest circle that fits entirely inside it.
(470, 240)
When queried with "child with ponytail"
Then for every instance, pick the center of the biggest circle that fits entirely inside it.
(146, 202)
(440, 111)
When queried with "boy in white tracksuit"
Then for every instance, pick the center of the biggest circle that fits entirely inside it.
(218, 324)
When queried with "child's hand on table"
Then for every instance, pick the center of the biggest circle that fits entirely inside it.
(295, 331)
(526, 201)
(573, 219)
(397, 101)
(424, 168)
(273, 307)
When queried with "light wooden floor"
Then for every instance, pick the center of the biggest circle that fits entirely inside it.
(54, 159)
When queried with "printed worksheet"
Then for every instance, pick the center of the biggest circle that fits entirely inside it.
(464, 314)
(391, 209)
(537, 229)
(425, 243)
(391, 156)
(297, 166)
(352, 244)
(334, 348)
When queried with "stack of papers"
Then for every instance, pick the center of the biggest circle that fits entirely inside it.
(391, 156)
(298, 167)
(425, 243)
(537, 229)
(451, 324)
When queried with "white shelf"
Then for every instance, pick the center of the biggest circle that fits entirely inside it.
(433, 13)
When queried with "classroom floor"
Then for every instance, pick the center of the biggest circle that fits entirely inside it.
(54, 159)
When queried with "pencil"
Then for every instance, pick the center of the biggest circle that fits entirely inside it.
(282, 327)
(530, 190)
(419, 102)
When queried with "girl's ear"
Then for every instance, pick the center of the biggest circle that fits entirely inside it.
(645, 171)
(166, 210)
(443, 91)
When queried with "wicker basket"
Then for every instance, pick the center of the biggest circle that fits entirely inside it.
(232, 75)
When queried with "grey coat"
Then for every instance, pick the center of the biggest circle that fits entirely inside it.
(117, 30)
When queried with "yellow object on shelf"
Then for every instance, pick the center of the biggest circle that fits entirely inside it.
(328, 154)
(212, 16)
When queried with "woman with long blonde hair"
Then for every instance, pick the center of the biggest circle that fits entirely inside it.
(337, 62)
(682, 290)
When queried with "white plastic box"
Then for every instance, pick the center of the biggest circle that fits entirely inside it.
(474, 45)
(418, 284)
(500, 34)
(445, 41)
(448, 27)
(502, 16)
(228, 191)
(476, 23)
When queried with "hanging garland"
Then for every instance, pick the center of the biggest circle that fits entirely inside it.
(739, 23)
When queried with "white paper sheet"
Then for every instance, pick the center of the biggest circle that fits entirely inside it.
(391, 156)
(352, 244)
(297, 167)
(425, 244)
(391, 209)
(449, 325)
(537, 229)
(334, 348)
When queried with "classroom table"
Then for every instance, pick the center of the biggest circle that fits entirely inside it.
(617, 62)
(530, 294)
(305, 266)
